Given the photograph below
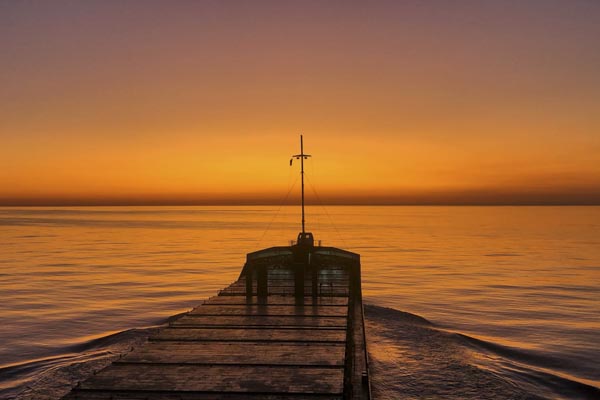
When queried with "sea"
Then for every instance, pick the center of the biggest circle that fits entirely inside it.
(461, 302)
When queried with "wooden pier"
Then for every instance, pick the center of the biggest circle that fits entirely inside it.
(291, 327)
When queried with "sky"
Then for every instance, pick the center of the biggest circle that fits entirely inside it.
(203, 102)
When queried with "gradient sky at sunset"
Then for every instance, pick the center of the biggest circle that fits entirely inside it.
(184, 102)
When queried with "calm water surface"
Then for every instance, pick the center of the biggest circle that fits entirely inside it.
(465, 302)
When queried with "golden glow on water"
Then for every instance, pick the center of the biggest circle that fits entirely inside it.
(511, 266)
(524, 280)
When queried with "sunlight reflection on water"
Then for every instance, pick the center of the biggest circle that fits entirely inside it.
(523, 277)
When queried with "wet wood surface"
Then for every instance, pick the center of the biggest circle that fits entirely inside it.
(276, 300)
(217, 378)
(238, 347)
(228, 334)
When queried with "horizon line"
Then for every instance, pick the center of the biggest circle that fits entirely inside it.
(574, 197)
(336, 204)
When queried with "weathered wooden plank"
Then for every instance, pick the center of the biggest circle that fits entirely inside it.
(286, 293)
(202, 378)
(242, 320)
(289, 291)
(281, 280)
(290, 282)
(272, 287)
(187, 395)
(278, 300)
(269, 310)
(331, 267)
(258, 353)
(249, 334)
(307, 280)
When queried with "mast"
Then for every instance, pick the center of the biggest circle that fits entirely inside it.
(302, 176)
(302, 157)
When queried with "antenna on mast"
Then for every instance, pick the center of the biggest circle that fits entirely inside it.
(301, 157)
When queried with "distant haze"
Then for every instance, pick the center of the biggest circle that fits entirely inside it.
(400, 102)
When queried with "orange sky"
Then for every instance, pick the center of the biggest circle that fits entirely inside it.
(202, 102)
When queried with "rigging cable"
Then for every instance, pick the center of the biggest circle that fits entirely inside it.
(324, 208)
(278, 210)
